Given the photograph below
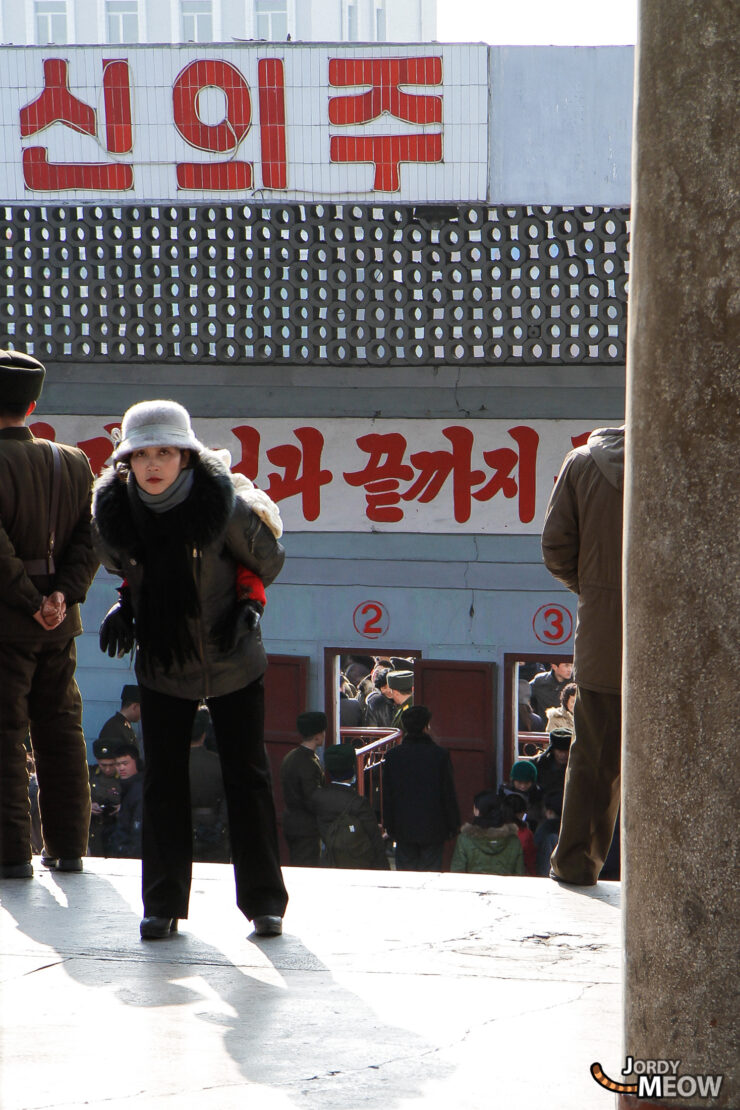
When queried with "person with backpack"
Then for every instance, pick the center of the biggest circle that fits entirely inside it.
(347, 824)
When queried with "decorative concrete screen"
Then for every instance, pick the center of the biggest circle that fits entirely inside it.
(389, 285)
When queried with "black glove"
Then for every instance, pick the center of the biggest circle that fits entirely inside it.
(246, 614)
(117, 629)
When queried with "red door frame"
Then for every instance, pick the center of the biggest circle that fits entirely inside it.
(510, 695)
(331, 693)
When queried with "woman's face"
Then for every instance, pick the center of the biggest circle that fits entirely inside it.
(156, 468)
(570, 703)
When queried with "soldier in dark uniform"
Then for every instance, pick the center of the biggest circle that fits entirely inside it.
(301, 774)
(121, 725)
(401, 685)
(125, 837)
(105, 795)
(207, 797)
(47, 563)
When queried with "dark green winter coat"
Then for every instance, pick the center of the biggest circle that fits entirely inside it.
(481, 851)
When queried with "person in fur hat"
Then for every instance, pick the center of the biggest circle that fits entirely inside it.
(168, 520)
(490, 845)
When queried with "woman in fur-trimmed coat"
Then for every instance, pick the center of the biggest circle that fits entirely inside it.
(168, 521)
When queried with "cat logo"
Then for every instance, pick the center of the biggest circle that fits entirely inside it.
(659, 1079)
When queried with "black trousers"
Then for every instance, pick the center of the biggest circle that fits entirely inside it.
(592, 784)
(167, 844)
(304, 851)
(38, 692)
(419, 857)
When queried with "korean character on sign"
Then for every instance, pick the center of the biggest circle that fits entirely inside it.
(385, 76)
(56, 104)
(302, 473)
(435, 467)
(505, 462)
(226, 137)
(382, 475)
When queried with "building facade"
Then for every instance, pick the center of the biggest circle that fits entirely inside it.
(398, 314)
(66, 22)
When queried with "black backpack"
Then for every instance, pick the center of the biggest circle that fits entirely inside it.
(348, 844)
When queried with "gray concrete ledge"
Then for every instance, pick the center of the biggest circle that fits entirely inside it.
(386, 991)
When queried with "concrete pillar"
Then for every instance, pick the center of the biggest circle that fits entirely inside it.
(681, 746)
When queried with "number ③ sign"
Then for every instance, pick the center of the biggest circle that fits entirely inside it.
(552, 624)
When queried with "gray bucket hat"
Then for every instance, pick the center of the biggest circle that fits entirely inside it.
(156, 424)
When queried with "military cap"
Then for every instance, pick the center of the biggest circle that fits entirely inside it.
(107, 749)
(561, 738)
(21, 378)
(403, 681)
(340, 761)
(311, 723)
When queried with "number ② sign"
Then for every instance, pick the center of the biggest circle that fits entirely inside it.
(371, 619)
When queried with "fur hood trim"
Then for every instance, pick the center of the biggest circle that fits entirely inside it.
(257, 500)
(211, 502)
(501, 832)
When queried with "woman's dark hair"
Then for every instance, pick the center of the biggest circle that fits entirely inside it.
(567, 692)
(494, 810)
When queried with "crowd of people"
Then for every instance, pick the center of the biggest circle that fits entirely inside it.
(374, 691)
(513, 828)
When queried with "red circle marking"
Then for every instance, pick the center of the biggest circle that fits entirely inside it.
(553, 624)
(371, 619)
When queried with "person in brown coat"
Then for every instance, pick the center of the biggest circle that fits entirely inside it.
(582, 548)
(47, 563)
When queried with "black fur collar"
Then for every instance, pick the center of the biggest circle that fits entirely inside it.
(209, 506)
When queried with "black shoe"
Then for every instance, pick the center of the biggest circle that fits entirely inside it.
(71, 863)
(16, 871)
(157, 928)
(568, 882)
(268, 926)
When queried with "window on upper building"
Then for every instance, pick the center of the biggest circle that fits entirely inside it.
(197, 20)
(271, 19)
(122, 20)
(380, 24)
(350, 21)
(51, 21)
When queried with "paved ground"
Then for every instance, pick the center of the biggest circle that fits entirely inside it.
(392, 992)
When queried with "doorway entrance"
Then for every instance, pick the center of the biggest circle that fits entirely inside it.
(520, 737)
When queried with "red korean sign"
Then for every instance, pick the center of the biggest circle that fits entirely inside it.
(276, 121)
(336, 475)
